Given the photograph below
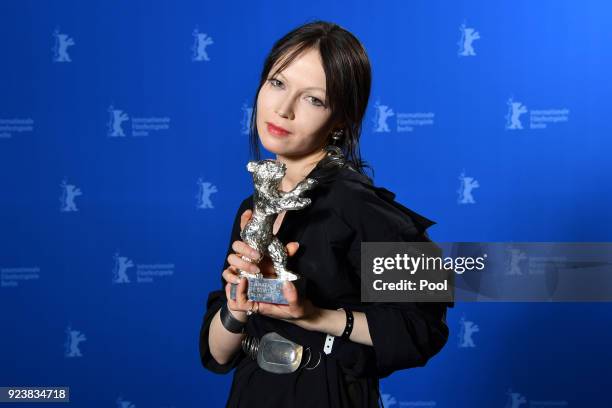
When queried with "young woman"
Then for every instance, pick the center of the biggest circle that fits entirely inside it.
(309, 107)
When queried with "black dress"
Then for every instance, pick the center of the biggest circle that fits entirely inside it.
(346, 209)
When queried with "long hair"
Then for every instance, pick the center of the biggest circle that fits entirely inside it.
(348, 81)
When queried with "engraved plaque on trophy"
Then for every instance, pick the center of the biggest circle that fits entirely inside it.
(268, 201)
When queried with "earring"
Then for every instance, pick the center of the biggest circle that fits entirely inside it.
(336, 136)
(333, 149)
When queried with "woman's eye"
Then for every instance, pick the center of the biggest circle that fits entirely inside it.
(316, 102)
(275, 82)
(278, 84)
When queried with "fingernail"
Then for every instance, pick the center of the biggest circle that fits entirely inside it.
(236, 279)
(256, 269)
(254, 255)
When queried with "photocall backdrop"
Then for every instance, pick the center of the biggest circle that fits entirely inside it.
(123, 149)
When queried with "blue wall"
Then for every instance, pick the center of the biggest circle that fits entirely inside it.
(83, 209)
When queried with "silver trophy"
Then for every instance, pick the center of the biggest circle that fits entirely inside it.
(268, 201)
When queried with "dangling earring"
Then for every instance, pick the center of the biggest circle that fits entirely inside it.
(334, 151)
(336, 137)
(334, 146)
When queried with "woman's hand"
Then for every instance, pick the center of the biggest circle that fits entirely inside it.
(240, 306)
(300, 310)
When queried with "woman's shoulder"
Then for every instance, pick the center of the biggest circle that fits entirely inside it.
(356, 198)
(350, 183)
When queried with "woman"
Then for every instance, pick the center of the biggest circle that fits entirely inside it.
(309, 107)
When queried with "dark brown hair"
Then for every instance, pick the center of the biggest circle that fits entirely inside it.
(348, 81)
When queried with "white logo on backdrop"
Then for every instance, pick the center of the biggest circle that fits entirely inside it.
(9, 126)
(467, 184)
(516, 400)
(145, 273)
(383, 112)
(388, 400)
(247, 113)
(201, 41)
(205, 189)
(11, 277)
(122, 264)
(521, 264)
(404, 121)
(467, 329)
(121, 403)
(141, 126)
(73, 339)
(60, 48)
(466, 41)
(69, 193)
(516, 256)
(538, 118)
(115, 124)
(513, 117)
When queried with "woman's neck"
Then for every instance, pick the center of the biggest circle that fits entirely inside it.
(298, 168)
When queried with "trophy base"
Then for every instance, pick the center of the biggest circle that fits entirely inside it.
(268, 290)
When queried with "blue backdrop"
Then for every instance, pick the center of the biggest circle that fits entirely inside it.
(122, 164)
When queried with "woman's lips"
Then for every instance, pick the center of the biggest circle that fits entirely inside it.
(275, 130)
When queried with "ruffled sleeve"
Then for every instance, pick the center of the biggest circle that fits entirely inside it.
(404, 334)
(214, 302)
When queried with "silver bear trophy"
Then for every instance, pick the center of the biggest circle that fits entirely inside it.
(268, 202)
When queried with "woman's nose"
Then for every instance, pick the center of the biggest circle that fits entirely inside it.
(285, 109)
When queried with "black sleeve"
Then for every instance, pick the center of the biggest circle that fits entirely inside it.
(213, 304)
(404, 334)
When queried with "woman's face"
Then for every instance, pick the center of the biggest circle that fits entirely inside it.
(295, 101)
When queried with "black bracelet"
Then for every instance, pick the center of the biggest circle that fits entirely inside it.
(230, 322)
(349, 324)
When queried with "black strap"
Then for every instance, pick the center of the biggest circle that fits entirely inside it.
(230, 322)
(348, 328)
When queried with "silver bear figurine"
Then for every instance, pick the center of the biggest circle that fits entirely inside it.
(268, 201)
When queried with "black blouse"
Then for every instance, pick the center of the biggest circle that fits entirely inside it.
(346, 209)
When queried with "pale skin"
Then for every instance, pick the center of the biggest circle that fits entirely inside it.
(294, 100)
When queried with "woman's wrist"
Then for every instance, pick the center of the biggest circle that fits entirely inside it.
(325, 321)
(238, 315)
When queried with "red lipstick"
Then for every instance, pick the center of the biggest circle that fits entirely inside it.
(277, 130)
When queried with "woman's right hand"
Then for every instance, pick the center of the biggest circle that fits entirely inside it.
(240, 306)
